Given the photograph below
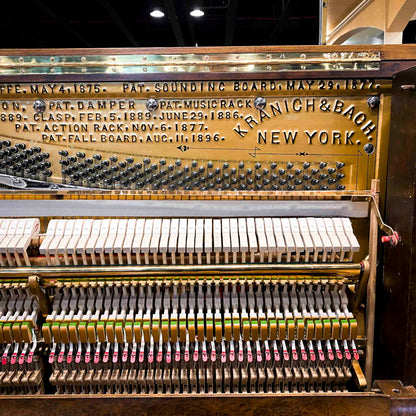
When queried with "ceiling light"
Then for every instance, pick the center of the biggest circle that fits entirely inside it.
(157, 13)
(197, 13)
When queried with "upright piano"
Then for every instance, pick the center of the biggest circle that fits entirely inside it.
(208, 231)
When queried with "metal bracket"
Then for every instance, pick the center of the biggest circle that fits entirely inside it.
(36, 290)
(35, 185)
(392, 235)
(395, 389)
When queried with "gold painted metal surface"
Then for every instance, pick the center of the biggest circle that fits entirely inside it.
(196, 128)
(347, 269)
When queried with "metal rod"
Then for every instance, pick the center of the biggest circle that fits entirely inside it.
(323, 13)
(362, 288)
(371, 287)
(344, 269)
(361, 195)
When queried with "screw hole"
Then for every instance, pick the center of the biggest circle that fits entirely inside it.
(369, 148)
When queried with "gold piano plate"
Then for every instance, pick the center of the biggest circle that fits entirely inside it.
(266, 135)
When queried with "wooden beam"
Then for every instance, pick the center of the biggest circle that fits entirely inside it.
(230, 25)
(63, 23)
(119, 22)
(399, 12)
(170, 9)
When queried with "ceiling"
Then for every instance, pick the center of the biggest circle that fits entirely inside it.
(124, 23)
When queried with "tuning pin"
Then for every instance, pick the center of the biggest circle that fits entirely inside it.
(322, 165)
(340, 165)
(64, 162)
